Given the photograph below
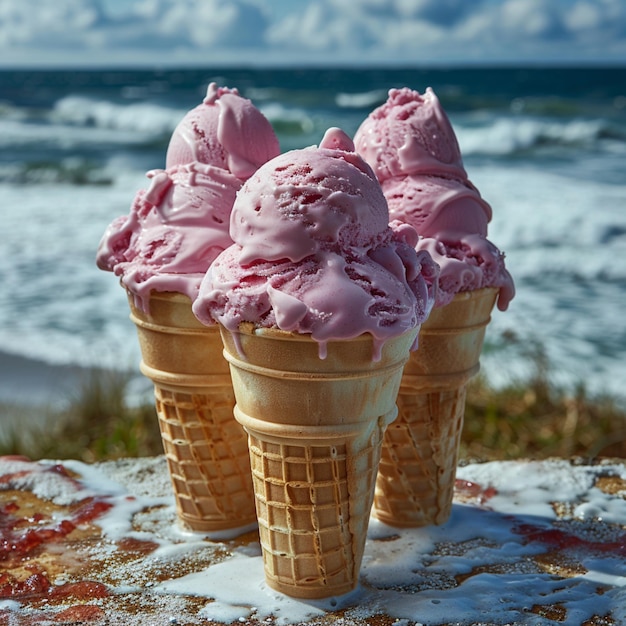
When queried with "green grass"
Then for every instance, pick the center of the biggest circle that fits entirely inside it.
(525, 419)
(98, 424)
(537, 419)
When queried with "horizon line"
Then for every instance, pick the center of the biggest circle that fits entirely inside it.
(338, 65)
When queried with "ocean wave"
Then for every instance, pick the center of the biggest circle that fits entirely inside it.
(562, 237)
(143, 122)
(286, 120)
(28, 134)
(364, 100)
(72, 171)
(153, 120)
(510, 135)
(138, 117)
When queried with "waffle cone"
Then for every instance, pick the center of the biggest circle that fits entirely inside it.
(315, 428)
(205, 447)
(417, 470)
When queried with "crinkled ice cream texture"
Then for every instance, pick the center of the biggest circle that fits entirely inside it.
(410, 134)
(433, 205)
(452, 219)
(226, 131)
(314, 253)
(410, 143)
(178, 226)
(174, 230)
(290, 208)
(467, 263)
(328, 295)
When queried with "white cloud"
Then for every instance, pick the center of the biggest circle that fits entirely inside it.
(158, 31)
(431, 30)
(58, 23)
(203, 23)
(441, 12)
(323, 26)
(597, 20)
(534, 19)
(583, 16)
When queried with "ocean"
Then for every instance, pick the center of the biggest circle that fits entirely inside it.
(545, 146)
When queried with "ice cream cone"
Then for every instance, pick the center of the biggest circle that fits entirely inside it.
(315, 429)
(417, 470)
(205, 447)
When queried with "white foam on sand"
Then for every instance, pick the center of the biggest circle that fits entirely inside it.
(431, 575)
(240, 592)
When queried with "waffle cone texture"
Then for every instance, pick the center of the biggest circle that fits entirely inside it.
(315, 429)
(417, 471)
(205, 447)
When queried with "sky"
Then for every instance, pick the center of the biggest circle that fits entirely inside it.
(42, 33)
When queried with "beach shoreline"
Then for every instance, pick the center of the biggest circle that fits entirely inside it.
(32, 382)
(53, 410)
(34, 392)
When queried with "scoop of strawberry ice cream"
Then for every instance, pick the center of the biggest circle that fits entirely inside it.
(313, 252)
(305, 200)
(410, 143)
(177, 227)
(173, 231)
(410, 134)
(225, 130)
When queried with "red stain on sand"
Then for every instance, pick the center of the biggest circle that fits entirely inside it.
(22, 539)
(84, 590)
(560, 539)
(15, 542)
(36, 584)
(80, 613)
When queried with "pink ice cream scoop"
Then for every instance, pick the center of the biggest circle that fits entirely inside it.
(410, 143)
(410, 134)
(177, 227)
(313, 252)
(433, 204)
(226, 131)
(173, 231)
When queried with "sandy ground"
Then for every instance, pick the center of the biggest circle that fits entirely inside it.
(528, 542)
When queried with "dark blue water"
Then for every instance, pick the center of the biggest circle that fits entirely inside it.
(303, 103)
(459, 88)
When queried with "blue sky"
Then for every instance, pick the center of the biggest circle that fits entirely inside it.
(298, 32)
